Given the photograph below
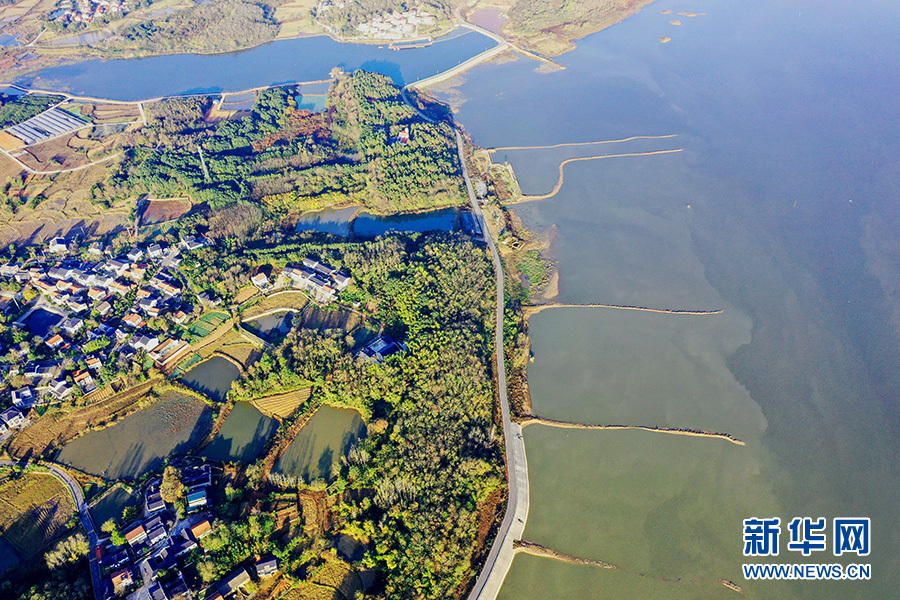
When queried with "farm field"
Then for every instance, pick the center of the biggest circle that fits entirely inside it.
(160, 210)
(56, 428)
(207, 323)
(141, 442)
(281, 406)
(243, 352)
(33, 509)
(288, 300)
(245, 293)
(318, 318)
(294, 18)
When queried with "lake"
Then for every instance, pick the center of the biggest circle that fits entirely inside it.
(780, 209)
(320, 444)
(140, 442)
(243, 435)
(213, 377)
(354, 221)
(283, 61)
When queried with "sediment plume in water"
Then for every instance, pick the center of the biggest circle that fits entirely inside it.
(536, 420)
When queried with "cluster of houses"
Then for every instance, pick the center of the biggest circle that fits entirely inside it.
(119, 295)
(395, 25)
(85, 11)
(320, 281)
(156, 547)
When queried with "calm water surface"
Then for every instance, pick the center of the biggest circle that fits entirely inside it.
(213, 377)
(777, 211)
(279, 62)
(243, 435)
(319, 446)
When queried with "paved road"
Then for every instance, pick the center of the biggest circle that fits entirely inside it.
(500, 558)
(84, 514)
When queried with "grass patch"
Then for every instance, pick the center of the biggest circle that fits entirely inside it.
(34, 508)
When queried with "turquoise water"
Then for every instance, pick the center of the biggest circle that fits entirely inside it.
(305, 59)
(780, 210)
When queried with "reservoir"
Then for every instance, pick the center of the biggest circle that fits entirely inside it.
(776, 210)
(355, 221)
(283, 61)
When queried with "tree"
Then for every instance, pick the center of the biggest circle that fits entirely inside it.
(129, 513)
(69, 550)
(171, 489)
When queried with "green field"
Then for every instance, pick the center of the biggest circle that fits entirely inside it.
(206, 324)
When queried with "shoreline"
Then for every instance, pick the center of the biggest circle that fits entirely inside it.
(537, 308)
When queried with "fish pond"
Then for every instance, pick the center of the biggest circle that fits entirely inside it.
(243, 435)
(112, 505)
(273, 326)
(316, 451)
(213, 377)
(141, 442)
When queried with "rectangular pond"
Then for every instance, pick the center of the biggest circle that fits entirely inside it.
(212, 377)
(142, 441)
(319, 446)
(243, 435)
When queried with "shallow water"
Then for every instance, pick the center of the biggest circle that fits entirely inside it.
(213, 377)
(784, 115)
(243, 435)
(321, 443)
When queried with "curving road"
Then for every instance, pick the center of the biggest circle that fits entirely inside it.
(83, 513)
(500, 558)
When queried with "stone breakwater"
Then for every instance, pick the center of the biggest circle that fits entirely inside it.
(536, 420)
(536, 308)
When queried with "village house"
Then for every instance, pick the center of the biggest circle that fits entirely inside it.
(13, 418)
(180, 317)
(58, 245)
(267, 567)
(71, 326)
(144, 342)
(95, 249)
(121, 579)
(135, 535)
(260, 280)
(133, 320)
(154, 502)
(93, 363)
(104, 308)
(183, 543)
(97, 293)
(380, 349)
(116, 267)
(23, 398)
(56, 342)
(235, 581)
(155, 251)
(84, 381)
(196, 499)
(201, 529)
(135, 254)
(60, 389)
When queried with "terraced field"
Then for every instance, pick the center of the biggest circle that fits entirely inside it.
(281, 406)
(33, 509)
(288, 300)
(319, 318)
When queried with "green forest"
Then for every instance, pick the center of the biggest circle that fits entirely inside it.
(286, 160)
(15, 109)
(211, 26)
